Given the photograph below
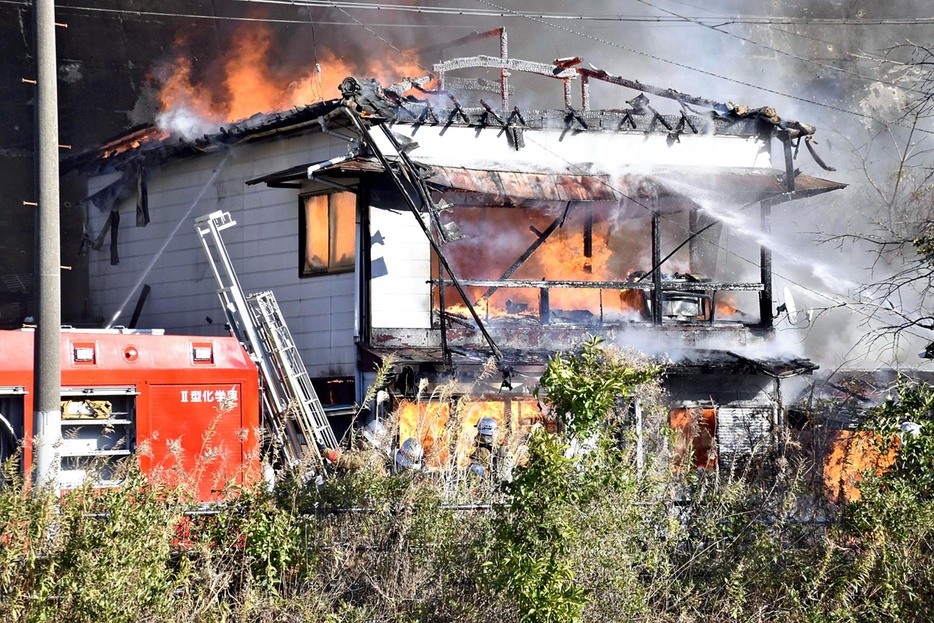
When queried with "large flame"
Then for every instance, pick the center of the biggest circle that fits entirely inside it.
(695, 437)
(496, 237)
(427, 422)
(726, 305)
(254, 79)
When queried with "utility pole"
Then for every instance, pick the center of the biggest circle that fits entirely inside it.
(47, 417)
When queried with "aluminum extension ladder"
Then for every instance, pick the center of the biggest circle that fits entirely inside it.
(293, 413)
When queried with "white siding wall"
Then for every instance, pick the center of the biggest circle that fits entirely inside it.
(548, 149)
(745, 431)
(401, 267)
(263, 247)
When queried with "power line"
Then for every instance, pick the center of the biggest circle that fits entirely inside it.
(782, 52)
(365, 27)
(126, 12)
(712, 74)
(657, 21)
(726, 21)
(467, 12)
(503, 12)
(314, 46)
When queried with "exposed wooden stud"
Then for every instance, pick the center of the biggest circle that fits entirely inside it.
(667, 286)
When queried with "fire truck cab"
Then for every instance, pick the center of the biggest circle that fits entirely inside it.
(186, 406)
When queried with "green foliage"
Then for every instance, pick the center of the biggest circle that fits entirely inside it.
(97, 555)
(264, 537)
(585, 386)
(905, 422)
(574, 537)
(532, 536)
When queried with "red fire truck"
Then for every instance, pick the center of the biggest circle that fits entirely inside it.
(175, 401)
(184, 405)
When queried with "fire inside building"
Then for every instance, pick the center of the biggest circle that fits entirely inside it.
(421, 222)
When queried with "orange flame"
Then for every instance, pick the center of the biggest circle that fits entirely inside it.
(617, 250)
(695, 434)
(426, 422)
(726, 304)
(448, 443)
(851, 453)
(251, 80)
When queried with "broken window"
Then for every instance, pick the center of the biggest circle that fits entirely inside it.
(335, 390)
(695, 434)
(327, 232)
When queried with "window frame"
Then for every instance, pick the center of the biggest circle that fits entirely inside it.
(304, 273)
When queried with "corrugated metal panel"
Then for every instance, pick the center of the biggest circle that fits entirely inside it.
(544, 186)
(744, 431)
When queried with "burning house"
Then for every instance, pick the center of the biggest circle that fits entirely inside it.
(420, 221)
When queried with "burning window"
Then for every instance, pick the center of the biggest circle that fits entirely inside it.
(695, 430)
(598, 241)
(327, 233)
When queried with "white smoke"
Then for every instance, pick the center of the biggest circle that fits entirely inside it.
(185, 122)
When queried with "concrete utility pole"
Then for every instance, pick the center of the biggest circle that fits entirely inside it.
(47, 417)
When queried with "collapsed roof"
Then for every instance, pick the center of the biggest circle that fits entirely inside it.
(411, 102)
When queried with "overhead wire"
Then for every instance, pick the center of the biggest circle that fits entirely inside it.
(372, 32)
(712, 74)
(66, 9)
(506, 13)
(727, 20)
(782, 52)
(314, 47)
(502, 12)
(649, 21)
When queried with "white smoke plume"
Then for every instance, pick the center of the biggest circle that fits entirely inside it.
(185, 122)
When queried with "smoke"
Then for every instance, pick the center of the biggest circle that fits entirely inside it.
(740, 220)
(784, 344)
(185, 122)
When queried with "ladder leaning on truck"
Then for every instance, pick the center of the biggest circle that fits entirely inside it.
(293, 414)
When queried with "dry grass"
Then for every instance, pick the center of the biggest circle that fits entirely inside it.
(645, 546)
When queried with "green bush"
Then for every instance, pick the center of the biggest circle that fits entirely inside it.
(577, 536)
(529, 559)
(585, 386)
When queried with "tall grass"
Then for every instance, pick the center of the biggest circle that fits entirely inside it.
(575, 537)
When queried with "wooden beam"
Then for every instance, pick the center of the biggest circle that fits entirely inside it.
(667, 286)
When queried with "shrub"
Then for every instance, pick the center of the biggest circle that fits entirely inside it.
(577, 536)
